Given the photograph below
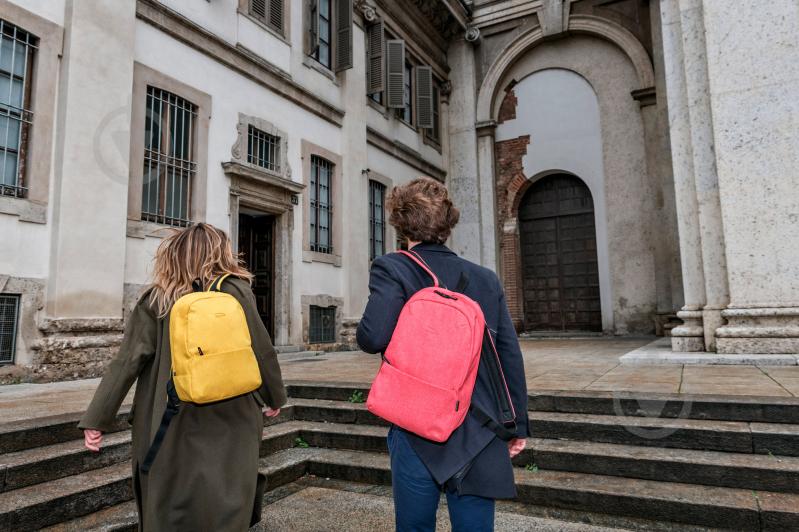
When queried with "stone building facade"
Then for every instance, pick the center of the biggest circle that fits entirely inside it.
(626, 166)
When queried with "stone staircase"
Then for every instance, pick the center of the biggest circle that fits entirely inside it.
(707, 462)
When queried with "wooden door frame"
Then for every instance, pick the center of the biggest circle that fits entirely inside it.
(273, 228)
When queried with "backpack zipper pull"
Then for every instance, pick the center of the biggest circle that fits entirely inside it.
(200, 350)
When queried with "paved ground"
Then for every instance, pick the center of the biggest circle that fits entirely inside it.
(342, 506)
(564, 364)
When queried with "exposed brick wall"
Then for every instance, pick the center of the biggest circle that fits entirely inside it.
(507, 109)
(511, 183)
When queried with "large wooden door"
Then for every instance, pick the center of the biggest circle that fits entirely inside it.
(256, 244)
(559, 262)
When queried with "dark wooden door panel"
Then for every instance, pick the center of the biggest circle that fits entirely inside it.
(559, 263)
(256, 244)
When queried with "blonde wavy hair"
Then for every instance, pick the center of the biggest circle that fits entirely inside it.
(200, 251)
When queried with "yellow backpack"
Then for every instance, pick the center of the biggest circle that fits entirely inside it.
(212, 356)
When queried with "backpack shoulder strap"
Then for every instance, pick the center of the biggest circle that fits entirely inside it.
(418, 260)
(217, 283)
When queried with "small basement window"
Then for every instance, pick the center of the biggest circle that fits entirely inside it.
(9, 320)
(322, 325)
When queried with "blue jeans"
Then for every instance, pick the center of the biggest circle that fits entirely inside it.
(416, 495)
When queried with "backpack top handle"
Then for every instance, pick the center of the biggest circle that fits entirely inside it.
(217, 283)
(418, 260)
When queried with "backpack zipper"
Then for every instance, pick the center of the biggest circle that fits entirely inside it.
(200, 350)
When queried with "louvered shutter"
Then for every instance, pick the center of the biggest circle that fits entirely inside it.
(374, 64)
(313, 26)
(343, 44)
(275, 14)
(424, 97)
(395, 65)
(258, 9)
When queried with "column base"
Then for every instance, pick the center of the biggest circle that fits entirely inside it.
(759, 331)
(349, 328)
(688, 337)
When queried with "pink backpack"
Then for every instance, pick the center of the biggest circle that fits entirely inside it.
(429, 369)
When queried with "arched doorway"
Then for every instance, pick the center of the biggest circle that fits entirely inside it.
(559, 256)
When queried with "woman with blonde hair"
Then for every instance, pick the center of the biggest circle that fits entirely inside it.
(205, 474)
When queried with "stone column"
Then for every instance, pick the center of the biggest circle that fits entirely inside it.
(705, 178)
(690, 335)
(355, 256)
(487, 180)
(84, 295)
(462, 176)
(752, 58)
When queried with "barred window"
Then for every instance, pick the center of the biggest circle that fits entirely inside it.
(263, 149)
(322, 325)
(17, 48)
(9, 317)
(377, 219)
(169, 158)
(321, 199)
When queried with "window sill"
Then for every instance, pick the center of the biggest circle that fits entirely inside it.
(313, 64)
(380, 108)
(436, 145)
(142, 229)
(277, 34)
(315, 256)
(27, 210)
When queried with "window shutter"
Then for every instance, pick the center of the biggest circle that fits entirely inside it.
(258, 9)
(343, 44)
(374, 63)
(313, 26)
(395, 64)
(424, 97)
(275, 13)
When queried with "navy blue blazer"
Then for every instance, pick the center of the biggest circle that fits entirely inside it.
(394, 279)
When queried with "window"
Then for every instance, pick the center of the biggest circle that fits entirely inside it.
(270, 12)
(17, 48)
(434, 133)
(321, 196)
(169, 165)
(405, 113)
(324, 29)
(377, 219)
(330, 33)
(9, 318)
(322, 325)
(263, 149)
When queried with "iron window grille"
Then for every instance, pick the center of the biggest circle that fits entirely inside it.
(263, 149)
(377, 219)
(169, 158)
(321, 196)
(322, 325)
(324, 27)
(9, 320)
(17, 48)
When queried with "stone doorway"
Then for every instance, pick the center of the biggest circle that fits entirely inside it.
(560, 275)
(257, 250)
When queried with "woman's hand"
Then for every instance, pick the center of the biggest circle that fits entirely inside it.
(268, 412)
(516, 445)
(93, 439)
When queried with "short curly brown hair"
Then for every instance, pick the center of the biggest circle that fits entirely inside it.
(421, 211)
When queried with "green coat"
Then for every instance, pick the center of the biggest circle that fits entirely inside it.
(205, 475)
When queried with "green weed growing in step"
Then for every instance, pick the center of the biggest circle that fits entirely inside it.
(357, 397)
(299, 442)
(531, 468)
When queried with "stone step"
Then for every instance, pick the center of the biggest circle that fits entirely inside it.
(119, 518)
(51, 462)
(729, 436)
(334, 391)
(333, 411)
(695, 406)
(38, 432)
(711, 468)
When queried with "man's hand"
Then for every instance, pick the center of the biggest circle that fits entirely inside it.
(516, 445)
(93, 439)
(268, 412)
